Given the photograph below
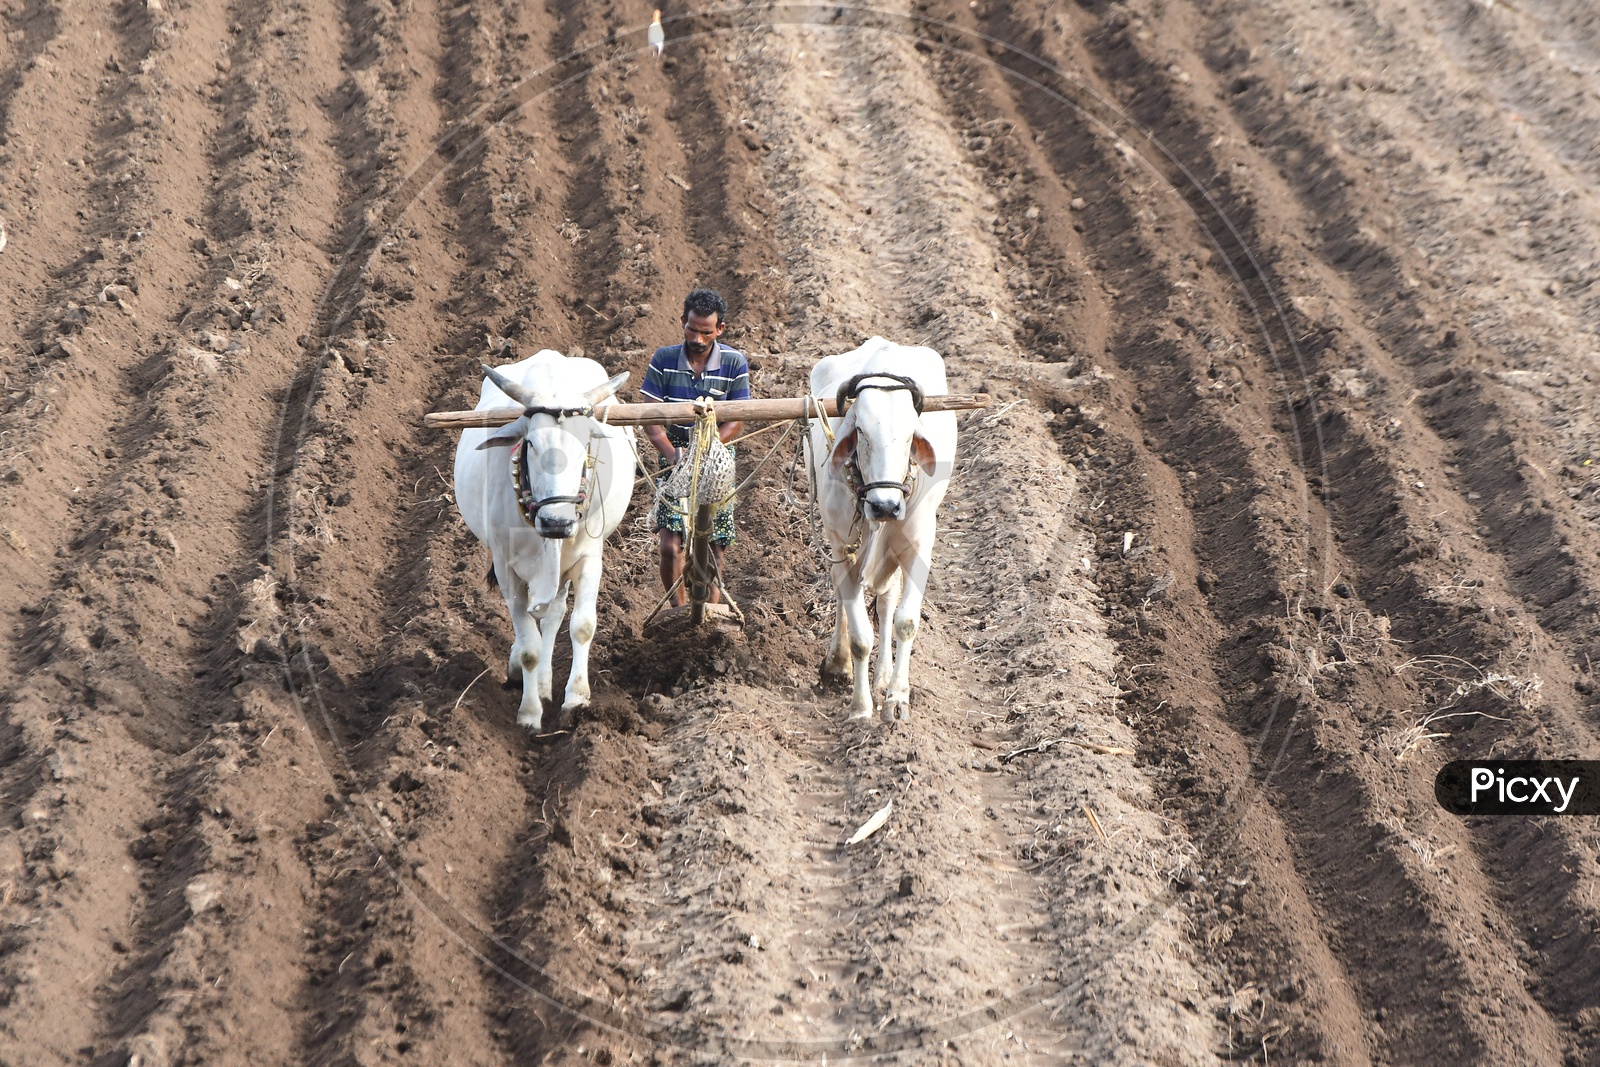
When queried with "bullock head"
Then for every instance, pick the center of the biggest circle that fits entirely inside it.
(879, 439)
(550, 452)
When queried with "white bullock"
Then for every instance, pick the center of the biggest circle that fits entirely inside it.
(878, 479)
(543, 493)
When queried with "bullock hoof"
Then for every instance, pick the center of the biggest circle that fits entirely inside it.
(834, 676)
(859, 716)
(512, 681)
(566, 718)
(898, 709)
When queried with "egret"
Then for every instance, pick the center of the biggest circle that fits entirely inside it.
(657, 36)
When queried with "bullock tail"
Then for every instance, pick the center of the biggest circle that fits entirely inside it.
(492, 579)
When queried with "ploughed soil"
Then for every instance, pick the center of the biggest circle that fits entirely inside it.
(1286, 498)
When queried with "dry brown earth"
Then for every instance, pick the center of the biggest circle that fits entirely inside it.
(1287, 498)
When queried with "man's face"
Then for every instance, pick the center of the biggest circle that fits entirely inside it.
(700, 332)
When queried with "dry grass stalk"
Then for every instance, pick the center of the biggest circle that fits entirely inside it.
(1095, 823)
(470, 684)
(1404, 742)
(1091, 746)
(872, 825)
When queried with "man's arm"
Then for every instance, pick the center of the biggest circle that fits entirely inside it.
(658, 437)
(654, 388)
(727, 431)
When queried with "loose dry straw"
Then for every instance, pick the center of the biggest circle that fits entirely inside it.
(872, 825)
(1094, 822)
(470, 684)
(1092, 746)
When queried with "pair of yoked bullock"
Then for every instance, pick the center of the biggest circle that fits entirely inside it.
(545, 491)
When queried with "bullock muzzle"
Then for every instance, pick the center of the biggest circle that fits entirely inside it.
(883, 500)
(884, 504)
(554, 528)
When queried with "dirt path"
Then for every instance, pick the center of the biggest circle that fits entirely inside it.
(1287, 498)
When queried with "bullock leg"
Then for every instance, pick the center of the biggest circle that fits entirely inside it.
(524, 661)
(836, 665)
(515, 592)
(853, 601)
(897, 701)
(585, 617)
(888, 601)
(549, 628)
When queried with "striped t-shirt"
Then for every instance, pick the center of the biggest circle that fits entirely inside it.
(669, 379)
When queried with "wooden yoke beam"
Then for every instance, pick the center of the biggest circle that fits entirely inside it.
(775, 409)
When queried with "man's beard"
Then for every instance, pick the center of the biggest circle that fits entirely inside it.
(698, 349)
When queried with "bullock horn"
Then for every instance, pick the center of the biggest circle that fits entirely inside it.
(600, 392)
(509, 387)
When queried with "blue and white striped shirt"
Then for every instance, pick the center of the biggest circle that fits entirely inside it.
(669, 379)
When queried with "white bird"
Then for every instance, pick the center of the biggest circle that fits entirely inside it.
(657, 36)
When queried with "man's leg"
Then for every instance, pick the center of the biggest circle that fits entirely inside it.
(722, 534)
(669, 525)
(716, 589)
(672, 564)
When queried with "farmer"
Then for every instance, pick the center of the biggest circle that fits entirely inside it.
(699, 367)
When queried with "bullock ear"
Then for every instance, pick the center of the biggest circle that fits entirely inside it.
(509, 434)
(842, 449)
(922, 452)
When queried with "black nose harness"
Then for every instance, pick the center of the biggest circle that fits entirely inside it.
(526, 504)
(847, 393)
